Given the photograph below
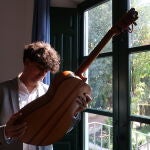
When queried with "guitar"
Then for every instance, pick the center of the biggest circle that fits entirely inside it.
(50, 116)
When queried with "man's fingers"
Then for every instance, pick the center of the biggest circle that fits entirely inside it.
(13, 118)
(88, 98)
(83, 101)
(19, 133)
(15, 130)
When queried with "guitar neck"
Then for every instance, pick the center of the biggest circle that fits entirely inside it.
(126, 20)
(96, 51)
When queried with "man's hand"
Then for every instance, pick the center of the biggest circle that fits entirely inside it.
(12, 130)
(83, 102)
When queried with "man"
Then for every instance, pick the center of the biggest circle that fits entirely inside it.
(38, 59)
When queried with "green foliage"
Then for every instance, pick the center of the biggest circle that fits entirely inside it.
(100, 79)
(140, 83)
(141, 34)
(99, 22)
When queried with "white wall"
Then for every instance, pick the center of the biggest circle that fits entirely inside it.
(15, 32)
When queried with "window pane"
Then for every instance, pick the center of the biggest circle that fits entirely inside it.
(99, 132)
(98, 21)
(141, 33)
(140, 83)
(100, 79)
(140, 133)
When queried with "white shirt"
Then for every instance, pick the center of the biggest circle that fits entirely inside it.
(26, 97)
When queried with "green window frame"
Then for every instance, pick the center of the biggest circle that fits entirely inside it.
(122, 49)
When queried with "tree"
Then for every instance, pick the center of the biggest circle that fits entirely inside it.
(100, 72)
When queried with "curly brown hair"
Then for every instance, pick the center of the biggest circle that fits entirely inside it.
(42, 53)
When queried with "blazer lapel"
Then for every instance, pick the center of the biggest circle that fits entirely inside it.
(14, 95)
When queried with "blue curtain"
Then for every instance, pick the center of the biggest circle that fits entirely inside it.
(41, 25)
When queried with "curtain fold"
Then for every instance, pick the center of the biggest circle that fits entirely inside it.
(41, 25)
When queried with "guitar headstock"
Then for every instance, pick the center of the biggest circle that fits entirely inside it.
(127, 19)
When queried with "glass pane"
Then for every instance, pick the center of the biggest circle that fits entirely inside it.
(98, 132)
(141, 33)
(140, 136)
(140, 83)
(100, 79)
(98, 21)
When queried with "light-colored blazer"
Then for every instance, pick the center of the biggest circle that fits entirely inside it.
(9, 104)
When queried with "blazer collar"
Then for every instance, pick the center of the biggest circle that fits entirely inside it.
(14, 94)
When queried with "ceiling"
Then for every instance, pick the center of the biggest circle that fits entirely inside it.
(65, 3)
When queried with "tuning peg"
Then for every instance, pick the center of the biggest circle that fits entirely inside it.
(134, 13)
(135, 23)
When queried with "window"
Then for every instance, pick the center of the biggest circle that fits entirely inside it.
(119, 116)
(139, 80)
(97, 21)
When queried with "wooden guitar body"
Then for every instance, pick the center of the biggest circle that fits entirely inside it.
(51, 116)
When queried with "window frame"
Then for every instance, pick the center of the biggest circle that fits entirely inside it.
(120, 56)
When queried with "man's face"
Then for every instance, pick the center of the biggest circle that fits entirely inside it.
(34, 71)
